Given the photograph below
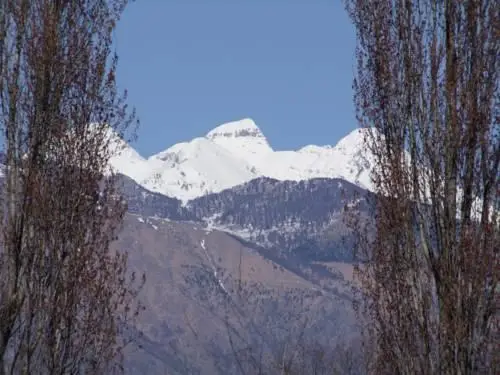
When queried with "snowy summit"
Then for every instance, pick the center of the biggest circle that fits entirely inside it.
(241, 137)
(237, 152)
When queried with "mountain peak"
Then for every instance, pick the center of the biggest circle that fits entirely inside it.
(242, 139)
(235, 129)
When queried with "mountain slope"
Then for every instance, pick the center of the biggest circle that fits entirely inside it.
(297, 221)
(199, 167)
(205, 288)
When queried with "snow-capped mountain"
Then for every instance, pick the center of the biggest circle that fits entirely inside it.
(269, 239)
(238, 152)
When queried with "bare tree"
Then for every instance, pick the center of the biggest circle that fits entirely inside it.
(427, 92)
(65, 297)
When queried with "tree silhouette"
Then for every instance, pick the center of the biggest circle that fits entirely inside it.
(427, 92)
(65, 298)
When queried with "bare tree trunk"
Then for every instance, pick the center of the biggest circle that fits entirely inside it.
(65, 297)
(427, 91)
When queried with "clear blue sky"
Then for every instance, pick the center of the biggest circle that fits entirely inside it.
(190, 65)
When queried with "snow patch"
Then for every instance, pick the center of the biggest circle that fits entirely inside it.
(214, 268)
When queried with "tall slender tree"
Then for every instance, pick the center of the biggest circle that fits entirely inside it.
(65, 297)
(427, 90)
